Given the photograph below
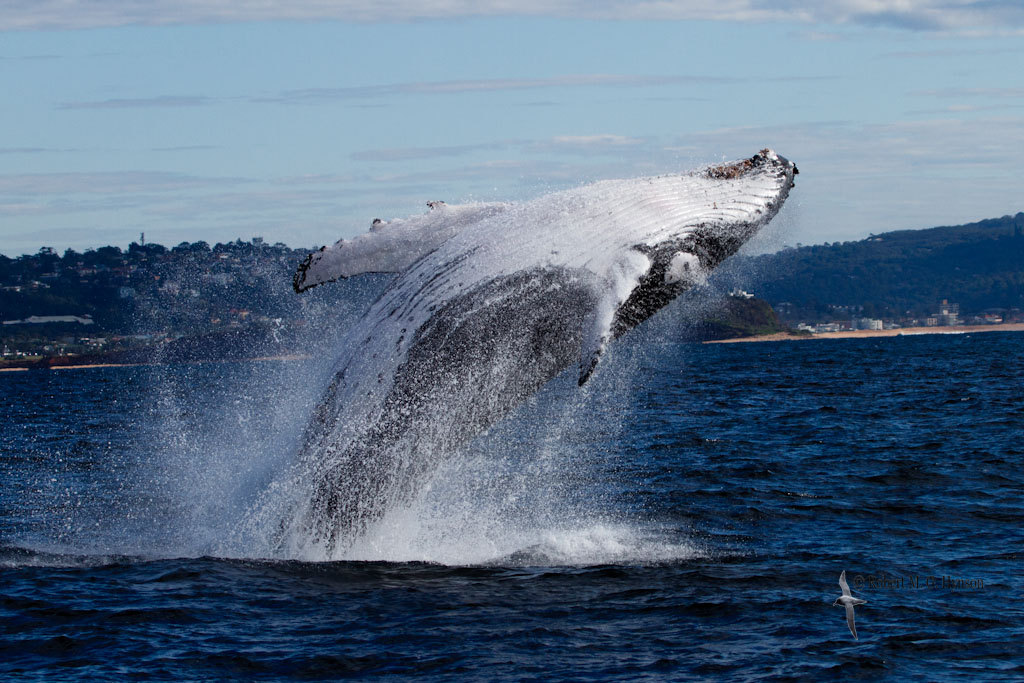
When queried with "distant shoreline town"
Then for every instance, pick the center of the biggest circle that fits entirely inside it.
(148, 302)
(947, 316)
(876, 333)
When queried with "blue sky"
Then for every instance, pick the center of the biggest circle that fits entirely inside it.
(302, 121)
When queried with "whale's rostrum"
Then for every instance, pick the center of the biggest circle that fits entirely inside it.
(489, 302)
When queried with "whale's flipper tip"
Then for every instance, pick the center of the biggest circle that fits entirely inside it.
(299, 281)
(587, 369)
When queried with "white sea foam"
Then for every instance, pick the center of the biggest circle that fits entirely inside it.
(408, 537)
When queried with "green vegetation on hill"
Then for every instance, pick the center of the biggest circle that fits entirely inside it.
(146, 295)
(739, 317)
(980, 266)
(149, 288)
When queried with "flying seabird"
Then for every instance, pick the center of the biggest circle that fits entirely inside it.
(848, 601)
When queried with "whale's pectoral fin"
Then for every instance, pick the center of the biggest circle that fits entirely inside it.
(637, 288)
(390, 246)
(590, 354)
(347, 258)
(622, 278)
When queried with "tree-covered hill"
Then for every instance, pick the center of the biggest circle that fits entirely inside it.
(108, 299)
(980, 266)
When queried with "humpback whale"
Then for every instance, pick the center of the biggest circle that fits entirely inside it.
(489, 302)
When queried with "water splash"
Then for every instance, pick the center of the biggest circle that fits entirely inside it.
(538, 489)
(545, 487)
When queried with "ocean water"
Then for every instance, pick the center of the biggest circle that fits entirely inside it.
(686, 516)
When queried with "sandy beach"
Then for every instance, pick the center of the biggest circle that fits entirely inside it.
(858, 334)
(782, 336)
(72, 366)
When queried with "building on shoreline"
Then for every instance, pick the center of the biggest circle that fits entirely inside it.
(949, 314)
(866, 324)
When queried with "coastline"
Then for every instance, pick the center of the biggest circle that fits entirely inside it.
(76, 366)
(779, 336)
(860, 334)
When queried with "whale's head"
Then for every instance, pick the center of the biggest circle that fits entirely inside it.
(745, 195)
(693, 223)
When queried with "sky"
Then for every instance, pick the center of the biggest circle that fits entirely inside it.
(302, 121)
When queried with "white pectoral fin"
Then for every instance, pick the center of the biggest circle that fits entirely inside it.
(390, 246)
(370, 253)
(622, 278)
(318, 268)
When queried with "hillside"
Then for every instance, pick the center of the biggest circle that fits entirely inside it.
(108, 301)
(736, 316)
(980, 266)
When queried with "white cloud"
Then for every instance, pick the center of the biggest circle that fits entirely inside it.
(25, 150)
(377, 92)
(311, 95)
(142, 102)
(952, 53)
(965, 100)
(606, 140)
(974, 92)
(561, 144)
(417, 153)
(942, 15)
(604, 144)
(111, 182)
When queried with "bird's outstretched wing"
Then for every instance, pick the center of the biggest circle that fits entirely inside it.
(846, 591)
(849, 621)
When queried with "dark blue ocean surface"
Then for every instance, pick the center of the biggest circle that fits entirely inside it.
(686, 516)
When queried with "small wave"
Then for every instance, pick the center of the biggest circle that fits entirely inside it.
(585, 545)
(600, 546)
(15, 557)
